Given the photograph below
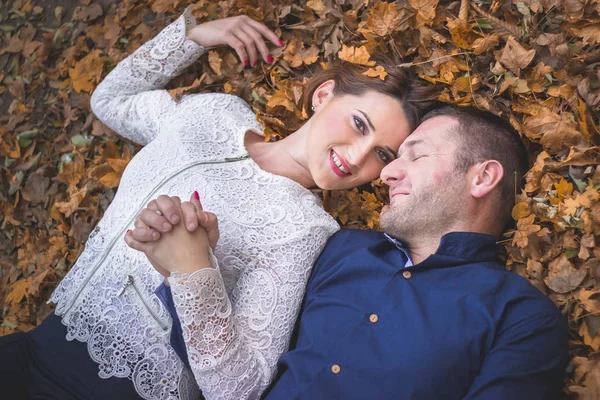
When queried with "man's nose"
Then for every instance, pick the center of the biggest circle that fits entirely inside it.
(392, 172)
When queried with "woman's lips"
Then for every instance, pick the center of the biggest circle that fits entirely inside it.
(339, 167)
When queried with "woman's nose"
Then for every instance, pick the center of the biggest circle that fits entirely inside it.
(357, 154)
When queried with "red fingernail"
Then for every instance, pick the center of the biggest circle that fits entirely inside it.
(281, 43)
(196, 195)
(269, 59)
(246, 63)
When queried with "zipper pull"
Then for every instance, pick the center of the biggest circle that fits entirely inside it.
(238, 158)
(127, 283)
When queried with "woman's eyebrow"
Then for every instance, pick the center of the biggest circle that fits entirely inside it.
(367, 118)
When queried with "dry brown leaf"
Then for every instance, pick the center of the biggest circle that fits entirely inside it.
(383, 19)
(515, 57)
(562, 277)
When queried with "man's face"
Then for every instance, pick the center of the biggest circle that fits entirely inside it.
(426, 194)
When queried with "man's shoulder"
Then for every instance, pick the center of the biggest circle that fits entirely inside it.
(494, 282)
(356, 238)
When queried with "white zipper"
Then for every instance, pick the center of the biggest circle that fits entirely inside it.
(146, 200)
(131, 282)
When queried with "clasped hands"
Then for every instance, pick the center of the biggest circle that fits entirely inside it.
(175, 236)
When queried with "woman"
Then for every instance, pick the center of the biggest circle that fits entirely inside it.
(238, 311)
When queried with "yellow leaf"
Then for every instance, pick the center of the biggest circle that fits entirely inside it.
(356, 55)
(563, 188)
(378, 71)
(521, 210)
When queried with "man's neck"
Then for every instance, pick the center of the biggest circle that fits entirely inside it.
(420, 250)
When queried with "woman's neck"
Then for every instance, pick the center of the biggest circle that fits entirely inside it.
(286, 157)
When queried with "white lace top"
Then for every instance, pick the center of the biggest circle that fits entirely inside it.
(237, 317)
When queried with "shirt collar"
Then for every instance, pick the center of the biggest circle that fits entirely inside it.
(468, 246)
(402, 248)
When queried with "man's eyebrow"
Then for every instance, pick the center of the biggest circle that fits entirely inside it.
(367, 118)
(409, 145)
(413, 143)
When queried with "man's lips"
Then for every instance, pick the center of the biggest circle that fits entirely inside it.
(398, 192)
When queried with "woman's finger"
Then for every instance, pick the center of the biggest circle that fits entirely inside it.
(189, 216)
(210, 223)
(258, 42)
(145, 234)
(248, 45)
(239, 48)
(169, 207)
(266, 32)
(195, 200)
(153, 220)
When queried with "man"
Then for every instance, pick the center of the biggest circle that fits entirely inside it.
(424, 311)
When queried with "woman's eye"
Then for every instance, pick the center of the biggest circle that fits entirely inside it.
(384, 156)
(359, 124)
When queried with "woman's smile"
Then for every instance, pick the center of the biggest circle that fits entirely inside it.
(338, 165)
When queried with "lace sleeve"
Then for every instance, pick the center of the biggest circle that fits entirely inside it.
(128, 101)
(233, 344)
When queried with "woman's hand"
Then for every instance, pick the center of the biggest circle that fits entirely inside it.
(242, 33)
(178, 249)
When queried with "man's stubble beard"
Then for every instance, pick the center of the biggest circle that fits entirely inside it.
(430, 212)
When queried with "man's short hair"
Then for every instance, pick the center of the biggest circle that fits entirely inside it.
(483, 136)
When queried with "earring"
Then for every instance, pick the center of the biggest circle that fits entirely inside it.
(312, 108)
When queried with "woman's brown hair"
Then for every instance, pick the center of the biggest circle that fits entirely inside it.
(416, 97)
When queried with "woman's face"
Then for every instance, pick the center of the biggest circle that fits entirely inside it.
(351, 138)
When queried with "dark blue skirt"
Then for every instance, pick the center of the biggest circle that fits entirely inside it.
(43, 364)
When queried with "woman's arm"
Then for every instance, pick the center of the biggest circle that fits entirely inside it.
(130, 100)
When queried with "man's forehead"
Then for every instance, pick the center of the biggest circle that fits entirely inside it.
(431, 131)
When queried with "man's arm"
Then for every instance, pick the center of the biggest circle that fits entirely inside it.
(527, 361)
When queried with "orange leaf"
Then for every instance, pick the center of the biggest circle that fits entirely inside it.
(18, 292)
(378, 71)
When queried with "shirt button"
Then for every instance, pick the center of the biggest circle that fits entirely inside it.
(373, 318)
(335, 369)
(406, 274)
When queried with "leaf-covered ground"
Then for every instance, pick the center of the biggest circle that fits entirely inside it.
(534, 62)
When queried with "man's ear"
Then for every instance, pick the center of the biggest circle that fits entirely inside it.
(323, 93)
(485, 176)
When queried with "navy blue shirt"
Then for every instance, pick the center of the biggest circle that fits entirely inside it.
(456, 326)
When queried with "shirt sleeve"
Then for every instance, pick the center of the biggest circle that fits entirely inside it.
(233, 343)
(131, 100)
(526, 362)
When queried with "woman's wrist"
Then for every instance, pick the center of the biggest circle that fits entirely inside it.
(193, 35)
(193, 266)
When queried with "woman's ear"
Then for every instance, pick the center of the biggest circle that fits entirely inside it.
(485, 177)
(323, 93)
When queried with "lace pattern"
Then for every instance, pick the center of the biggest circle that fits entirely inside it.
(237, 318)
